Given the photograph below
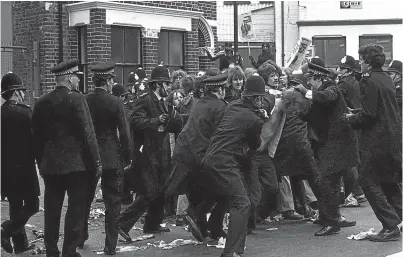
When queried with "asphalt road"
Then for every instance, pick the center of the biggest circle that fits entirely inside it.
(289, 240)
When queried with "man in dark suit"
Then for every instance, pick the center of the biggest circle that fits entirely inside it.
(155, 120)
(380, 124)
(68, 156)
(112, 132)
(19, 181)
(336, 149)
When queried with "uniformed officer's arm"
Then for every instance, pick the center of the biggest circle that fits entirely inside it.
(124, 134)
(218, 114)
(328, 95)
(87, 133)
(254, 134)
(367, 116)
(140, 119)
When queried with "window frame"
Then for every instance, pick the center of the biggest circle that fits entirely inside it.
(387, 62)
(330, 37)
(124, 64)
(168, 65)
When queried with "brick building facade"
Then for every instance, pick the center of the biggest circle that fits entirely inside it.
(131, 33)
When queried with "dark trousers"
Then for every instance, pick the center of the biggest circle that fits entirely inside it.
(298, 188)
(21, 210)
(112, 192)
(328, 199)
(152, 201)
(56, 186)
(385, 200)
(351, 184)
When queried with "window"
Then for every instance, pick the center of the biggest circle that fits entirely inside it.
(330, 49)
(384, 40)
(171, 49)
(126, 49)
(82, 52)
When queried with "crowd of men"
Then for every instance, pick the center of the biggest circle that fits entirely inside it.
(251, 143)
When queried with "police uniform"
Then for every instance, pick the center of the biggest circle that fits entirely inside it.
(19, 180)
(156, 157)
(239, 127)
(336, 150)
(68, 157)
(112, 133)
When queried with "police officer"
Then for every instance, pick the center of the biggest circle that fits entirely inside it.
(19, 181)
(380, 142)
(68, 156)
(347, 82)
(239, 129)
(119, 90)
(108, 115)
(336, 150)
(154, 119)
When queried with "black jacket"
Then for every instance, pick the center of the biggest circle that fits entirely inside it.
(381, 127)
(240, 127)
(18, 172)
(351, 91)
(337, 146)
(64, 133)
(194, 139)
(111, 128)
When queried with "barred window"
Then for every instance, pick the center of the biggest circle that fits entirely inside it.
(331, 49)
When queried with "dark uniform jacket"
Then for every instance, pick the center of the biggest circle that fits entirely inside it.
(351, 91)
(239, 127)
(337, 148)
(194, 139)
(186, 107)
(18, 173)
(156, 152)
(381, 127)
(64, 133)
(108, 117)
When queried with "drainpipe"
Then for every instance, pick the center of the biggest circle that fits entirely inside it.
(282, 34)
(235, 27)
(60, 14)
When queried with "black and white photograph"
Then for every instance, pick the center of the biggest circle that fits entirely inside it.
(201, 128)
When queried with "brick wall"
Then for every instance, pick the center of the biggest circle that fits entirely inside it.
(192, 49)
(99, 40)
(150, 54)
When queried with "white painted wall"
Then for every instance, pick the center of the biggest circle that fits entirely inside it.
(330, 10)
(352, 34)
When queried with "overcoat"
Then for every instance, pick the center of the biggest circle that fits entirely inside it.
(380, 126)
(111, 128)
(156, 152)
(18, 173)
(336, 149)
(64, 133)
(351, 91)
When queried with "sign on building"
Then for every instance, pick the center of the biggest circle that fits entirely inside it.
(245, 27)
(350, 4)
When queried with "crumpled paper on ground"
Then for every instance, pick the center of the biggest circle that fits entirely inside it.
(220, 245)
(363, 235)
(140, 238)
(38, 233)
(351, 202)
(271, 229)
(176, 243)
(39, 250)
(121, 249)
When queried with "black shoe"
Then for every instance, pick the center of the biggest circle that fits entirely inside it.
(292, 215)
(328, 230)
(29, 247)
(180, 221)
(345, 223)
(5, 242)
(386, 236)
(124, 234)
(157, 230)
(108, 251)
(194, 229)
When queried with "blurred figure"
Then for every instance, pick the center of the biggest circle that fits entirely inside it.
(263, 57)
(395, 73)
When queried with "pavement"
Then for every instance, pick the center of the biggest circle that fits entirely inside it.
(284, 239)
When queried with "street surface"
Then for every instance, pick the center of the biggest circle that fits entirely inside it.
(289, 240)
